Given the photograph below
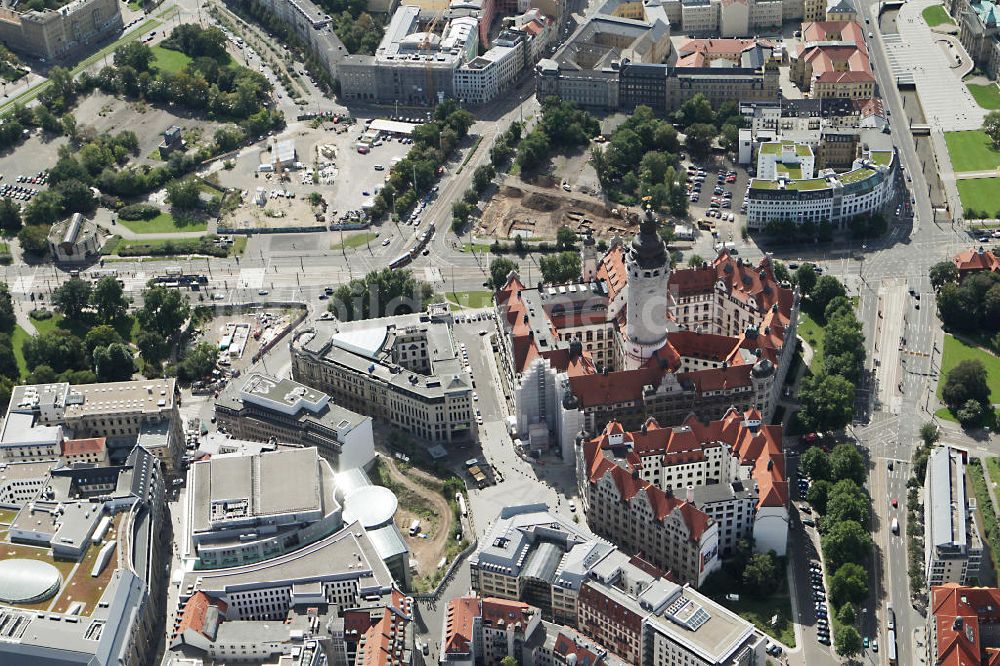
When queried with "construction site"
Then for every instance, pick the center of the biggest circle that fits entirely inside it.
(537, 213)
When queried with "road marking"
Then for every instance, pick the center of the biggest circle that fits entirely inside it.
(22, 284)
(251, 278)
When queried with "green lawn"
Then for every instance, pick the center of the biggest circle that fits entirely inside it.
(169, 61)
(7, 515)
(987, 96)
(760, 611)
(164, 223)
(470, 299)
(812, 333)
(981, 196)
(476, 247)
(971, 151)
(20, 336)
(956, 351)
(357, 240)
(936, 15)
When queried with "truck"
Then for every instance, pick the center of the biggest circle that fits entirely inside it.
(890, 617)
(415, 527)
(895, 526)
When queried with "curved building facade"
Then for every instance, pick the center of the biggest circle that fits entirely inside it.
(835, 198)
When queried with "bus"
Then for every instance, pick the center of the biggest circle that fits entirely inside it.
(890, 648)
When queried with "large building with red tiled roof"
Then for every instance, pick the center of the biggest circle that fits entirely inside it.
(634, 339)
(965, 626)
(974, 261)
(832, 60)
(730, 474)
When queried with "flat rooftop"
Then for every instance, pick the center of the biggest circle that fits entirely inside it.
(267, 484)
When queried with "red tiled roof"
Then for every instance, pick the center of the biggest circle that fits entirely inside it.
(378, 648)
(459, 623)
(78, 447)
(195, 610)
(566, 645)
(959, 613)
(833, 31)
(977, 260)
(505, 612)
(612, 270)
(629, 485)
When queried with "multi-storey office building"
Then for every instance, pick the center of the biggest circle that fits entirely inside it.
(953, 549)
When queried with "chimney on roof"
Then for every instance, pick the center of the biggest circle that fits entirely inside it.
(690, 494)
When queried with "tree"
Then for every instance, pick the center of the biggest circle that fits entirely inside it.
(500, 268)
(696, 110)
(847, 463)
(827, 288)
(991, 125)
(846, 614)
(508, 661)
(816, 464)
(954, 304)
(760, 574)
(483, 176)
(806, 278)
(45, 208)
(840, 306)
(184, 194)
(818, 494)
(10, 215)
(942, 273)
(848, 642)
(109, 299)
(152, 347)
(114, 363)
(695, 260)
(698, 139)
(966, 381)
(970, 413)
(72, 296)
(58, 349)
(781, 273)
(729, 136)
(197, 362)
(565, 238)
(846, 501)
(100, 336)
(827, 402)
(163, 311)
(34, 239)
(929, 434)
(8, 361)
(560, 268)
(849, 584)
(379, 294)
(846, 541)
(7, 317)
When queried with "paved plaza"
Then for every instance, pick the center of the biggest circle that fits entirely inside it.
(915, 55)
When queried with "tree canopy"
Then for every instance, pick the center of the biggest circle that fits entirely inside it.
(379, 294)
(827, 402)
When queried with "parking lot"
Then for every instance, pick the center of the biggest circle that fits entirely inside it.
(716, 191)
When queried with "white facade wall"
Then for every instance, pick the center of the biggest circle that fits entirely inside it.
(770, 530)
(358, 449)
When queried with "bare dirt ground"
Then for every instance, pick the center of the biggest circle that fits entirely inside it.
(418, 501)
(537, 212)
(105, 113)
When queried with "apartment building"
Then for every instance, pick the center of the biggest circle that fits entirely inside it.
(730, 18)
(404, 370)
(264, 408)
(118, 512)
(730, 472)
(70, 31)
(312, 26)
(573, 359)
(41, 417)
(485, 630)
(953, 549)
